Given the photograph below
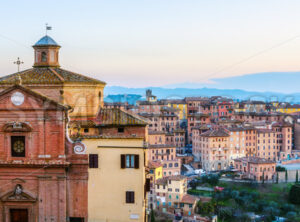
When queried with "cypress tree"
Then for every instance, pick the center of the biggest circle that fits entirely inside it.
(263, 177)
(277, 178)
(152, 216)
(286, 176)
(297, 180)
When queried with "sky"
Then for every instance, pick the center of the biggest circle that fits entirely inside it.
(139, 43)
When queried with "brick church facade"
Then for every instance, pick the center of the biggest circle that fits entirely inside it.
(43, 173)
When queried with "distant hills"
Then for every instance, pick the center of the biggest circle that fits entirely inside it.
(262, 86)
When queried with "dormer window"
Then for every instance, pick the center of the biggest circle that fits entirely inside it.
(44, 57)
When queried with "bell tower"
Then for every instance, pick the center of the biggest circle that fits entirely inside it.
(46, 52)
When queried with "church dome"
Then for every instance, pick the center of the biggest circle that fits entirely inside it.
(46, 41)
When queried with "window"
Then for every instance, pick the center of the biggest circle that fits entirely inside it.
(93, 160)
(147, 185)
(44, 57)
(86, 130)
(18, 146)
(129, 161)
(120, 130)
(129, 197)
(76, 219)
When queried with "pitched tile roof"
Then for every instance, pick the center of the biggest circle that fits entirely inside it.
(189, 199)
(47, 75)
(161, 146)
(215, 133)
(254, 160)
(118, 117)
(154, 164)
(82, 123)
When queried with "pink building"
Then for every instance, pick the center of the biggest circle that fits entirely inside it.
(256, 168)
(159, 151)
(195, 120)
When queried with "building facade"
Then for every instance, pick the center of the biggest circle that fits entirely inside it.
(43, 176)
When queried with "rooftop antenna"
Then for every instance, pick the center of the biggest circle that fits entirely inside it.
(48, 28)
(18, 63)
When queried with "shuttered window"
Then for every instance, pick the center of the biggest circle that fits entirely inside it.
(147, 185)
(129, 197)
(130, 161)
(93, 160)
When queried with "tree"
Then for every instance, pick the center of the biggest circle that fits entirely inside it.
(285, 208)
(286, 176)
(226, 213)
(280, 169)
(263, 177)
(297, 180)
(277, 178)
(291, 216)
(294, 195)
(152, 216)
(206, 208)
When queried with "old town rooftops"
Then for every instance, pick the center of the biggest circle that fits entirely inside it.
(240, 128)
(202, 127)
(118, 117)
(47, 75)
(189, 199)
(159, 146)
(169, 109)
(215, 133)
(198, 115)
(259, 113)
(163, 181)
(110, 117)
(264, 131)
(159, 102)
(154, 164)
(256, 160)
(288, 106)
(282, 124)
(174, 101)
(149, 115)
(156, 132)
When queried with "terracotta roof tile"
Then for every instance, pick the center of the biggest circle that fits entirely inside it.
(188, 199)
(47, 75)
(118, 117)
(215, 133)
(254, 160)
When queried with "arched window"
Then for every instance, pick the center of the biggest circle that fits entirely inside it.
(44, 57)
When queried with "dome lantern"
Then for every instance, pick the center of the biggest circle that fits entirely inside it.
(46, 52)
